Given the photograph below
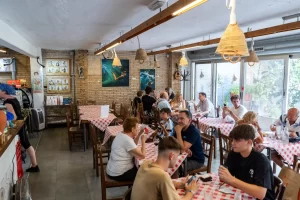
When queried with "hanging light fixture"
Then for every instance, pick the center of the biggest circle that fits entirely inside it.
(141, 54)
(252, 58)
(234, 78)
(183, 61)
(156, 64)
(116, 61)
(201, 74)
(233, 43)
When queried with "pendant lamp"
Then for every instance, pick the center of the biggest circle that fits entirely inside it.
(116, 61)
(156, 64)
(233, 43)
(141, 54)
(183, 61)
(252, 58)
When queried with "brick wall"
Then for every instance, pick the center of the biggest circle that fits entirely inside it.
(89, 88)
(22, 67)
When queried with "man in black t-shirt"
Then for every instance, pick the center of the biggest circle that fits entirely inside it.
(189, 138)
(248, 170)
(148, 101)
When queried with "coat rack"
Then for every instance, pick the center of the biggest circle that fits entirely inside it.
(185, 76)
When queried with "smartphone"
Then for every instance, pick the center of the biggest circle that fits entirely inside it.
(225, 104)
(191, 179)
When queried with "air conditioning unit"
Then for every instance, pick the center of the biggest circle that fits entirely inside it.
(38, 119)
(156, 4)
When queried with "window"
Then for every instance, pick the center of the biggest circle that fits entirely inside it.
(264, 90)
(203, 81)
(228, 82)
(294, 84)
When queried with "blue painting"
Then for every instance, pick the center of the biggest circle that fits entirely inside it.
(147, 78)
(115, 76)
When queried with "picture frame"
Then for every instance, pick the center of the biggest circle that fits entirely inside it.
(147, 78)
(57, 67)
(58, 84)
(113, 76)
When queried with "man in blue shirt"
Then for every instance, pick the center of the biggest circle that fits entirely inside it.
(189, 138)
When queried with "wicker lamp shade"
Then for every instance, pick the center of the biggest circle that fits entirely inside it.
(233, 44)
(141, 55)
(116, 61)
(183, 61)
(252, 58)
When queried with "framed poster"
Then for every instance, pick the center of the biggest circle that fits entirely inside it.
(115, 76)
(58, 84)
(147, 78)
(57, 67)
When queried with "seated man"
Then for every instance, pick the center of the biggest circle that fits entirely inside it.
(292, 122)
(205, 107)
(246, 169)
(153, 182)
(166, 124)
(163, 102)
(189, 138)
(237, 111)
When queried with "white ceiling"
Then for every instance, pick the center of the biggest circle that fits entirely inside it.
(82, 24)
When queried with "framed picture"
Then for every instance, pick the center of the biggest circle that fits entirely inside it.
(58, 84)
(147, 78)
(57, 66)
(115, 76)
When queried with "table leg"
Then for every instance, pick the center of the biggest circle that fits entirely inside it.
(185, 167)
(269, 154)
(84, 136)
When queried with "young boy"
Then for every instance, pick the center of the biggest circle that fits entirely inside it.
(166, 124)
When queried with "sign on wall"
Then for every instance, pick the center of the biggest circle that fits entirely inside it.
(57, 67)
(58, 84)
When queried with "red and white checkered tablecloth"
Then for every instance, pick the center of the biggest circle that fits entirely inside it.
(286, 150)
(211, 188)
(205, 123)
(92, 114)
(114, 130)
(151, 154)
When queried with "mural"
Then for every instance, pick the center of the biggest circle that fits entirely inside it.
(147, 78)
(115, 76)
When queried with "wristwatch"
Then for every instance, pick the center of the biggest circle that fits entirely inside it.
(190, 192)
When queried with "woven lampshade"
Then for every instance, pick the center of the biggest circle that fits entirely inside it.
(183, 61)
(141, 55)
(156, 64)
(252, 58)
(233, 44)
(116, 61)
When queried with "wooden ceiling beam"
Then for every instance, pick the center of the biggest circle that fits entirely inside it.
(152, 22)
(251, 34)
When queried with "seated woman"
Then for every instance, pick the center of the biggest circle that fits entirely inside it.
(251, 118)
(170, 93)
(178, 102)
(13, 106)
(120, 166)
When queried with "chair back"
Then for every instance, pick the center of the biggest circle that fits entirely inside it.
(225, 146)
(126, 111)
(127, 195)
(279, 188)
(141, 113)
(68, 120)
(208, 143)
(93, 133)
(113, 107)
(195, 122)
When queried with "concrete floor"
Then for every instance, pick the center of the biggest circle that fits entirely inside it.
(69, 175)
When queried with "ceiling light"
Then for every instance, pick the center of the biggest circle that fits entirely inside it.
(156, 64)
(99, 53)
(188, 7)
(233, 43)
(116, 61)
(183, 61)
(252, 58)
(3, 51)
(112, 46)
(141, 54)
(187, 48)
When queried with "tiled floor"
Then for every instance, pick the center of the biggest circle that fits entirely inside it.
(69, 175)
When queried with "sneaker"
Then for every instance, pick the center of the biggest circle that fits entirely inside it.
(33, 169)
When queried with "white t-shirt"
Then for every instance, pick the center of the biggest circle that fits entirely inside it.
(240, 111)
(120, 160)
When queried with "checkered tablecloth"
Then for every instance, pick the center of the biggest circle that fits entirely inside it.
(151, 154)
(212, 188)
(286, 150)
(205, 123)
(114, 130)
(92, 114)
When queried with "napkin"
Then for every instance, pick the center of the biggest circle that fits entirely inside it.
(226, 190)
(229, 119)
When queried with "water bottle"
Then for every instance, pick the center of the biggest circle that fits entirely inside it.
(285, 135)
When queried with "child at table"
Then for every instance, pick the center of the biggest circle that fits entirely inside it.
(166, 124)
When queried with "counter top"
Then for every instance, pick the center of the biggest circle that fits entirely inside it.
(13, 132)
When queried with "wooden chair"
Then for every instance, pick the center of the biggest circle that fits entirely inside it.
(212, 132)
(225, 145)
(296, 164)
(206, 141)
(279, 188)
(70, 109)
(97, 144)
(106, 182)
(195, 122)
(127, 195)
(73, 132)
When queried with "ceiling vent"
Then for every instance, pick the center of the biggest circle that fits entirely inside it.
(156, 4)
(258, 49)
